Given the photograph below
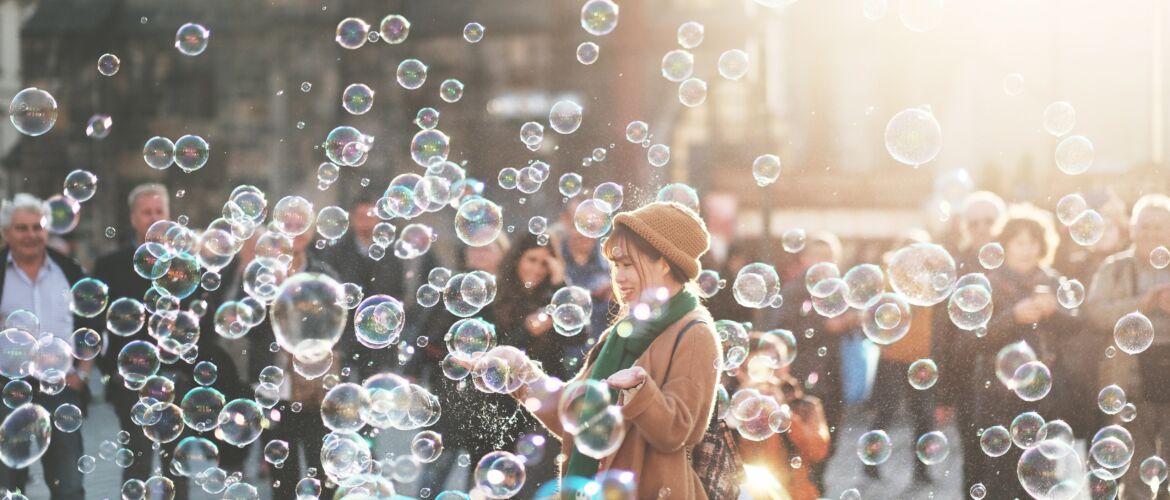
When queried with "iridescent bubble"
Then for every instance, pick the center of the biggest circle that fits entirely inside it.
(658, 155)
(1051, 470)
(1070, 293)
(1133, 333)
(194, 455)
(1152, 471)
(86, 464)
(887, 319)
(352, 33)
(451, 90)
(33, 111)
(1009, 359)
(108, 64)
(427, 118)
(611, 193)
(679, 193)
(469, 336)
(426, 446)
(478, 222)
(736, 342)
(637, 131)
(357, 99)
(991, 255)
(537, 225)
(1032, 381)
(1013, 84)
(865, 281)
(995, 441)
(473, 32)
(1070, 207)
(159, 152)
(690, 34)
(201, 407)
(922, 374)
(138, 361)
(342, 407)
(587, 53)
(125, 316)
(1111, 399)
(599, 17)
(88, 297)
(766, 169)
(565, 116)
(412, 74)
(430, 147)
(569, 184)
(276, 451)
(62, 214)
(913, 136)
(86, 343)
(508, 177)
(828, 297)
(532, 133)
(332, 222)
(1088, 228)
(678, 65)
(932, 448)
(413, 241)
(191, 39)
(1059, 118)
(80, 185)
(292, 215)
(733, 64)
(1027, 429)
(970, 306)
(874, 448)
(923, 273)
(240, 422)
(394, 29)
(756, 285)
(378, 321)
(1074, 154)
(308, 315)
(692, 92)
(17, 353)
(24, 436)
(602, 435)
(98, 127)
(593, 218)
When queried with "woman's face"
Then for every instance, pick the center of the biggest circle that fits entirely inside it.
(1022, 253)
(533, 267)
(486, 258)
(630, 284)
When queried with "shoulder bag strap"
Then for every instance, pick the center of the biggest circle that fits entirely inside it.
(677, 339)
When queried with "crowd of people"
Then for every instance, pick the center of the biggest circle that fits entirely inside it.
(668, 408)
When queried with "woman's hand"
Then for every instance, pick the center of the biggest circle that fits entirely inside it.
(556, 269)
(628, 378)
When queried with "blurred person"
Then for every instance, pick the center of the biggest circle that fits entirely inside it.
(1079, 262)
(819, 375)
(303, 428)
(979, 214)
(149, 203)
(1025, 309)
(663, 373)
(1127, 282)
(38, 279)
(890, 386)
(807, 438)
(587, 268)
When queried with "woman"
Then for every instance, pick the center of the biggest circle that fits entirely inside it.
(807, 439)
(654, 252)
(1025, 310)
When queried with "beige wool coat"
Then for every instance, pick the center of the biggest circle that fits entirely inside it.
(664, 419)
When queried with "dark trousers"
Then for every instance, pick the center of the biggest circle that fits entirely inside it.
(59, 462)
(891, 389)
(299, 429)
(123, 401)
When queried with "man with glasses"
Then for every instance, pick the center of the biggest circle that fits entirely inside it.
(38, 280)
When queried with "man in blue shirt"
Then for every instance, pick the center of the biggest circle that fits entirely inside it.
(38, 280)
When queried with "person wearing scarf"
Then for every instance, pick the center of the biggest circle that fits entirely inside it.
(654, 253)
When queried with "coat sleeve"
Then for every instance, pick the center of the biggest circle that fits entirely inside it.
(666, 415)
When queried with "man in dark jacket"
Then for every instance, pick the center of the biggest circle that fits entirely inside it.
(38, 280)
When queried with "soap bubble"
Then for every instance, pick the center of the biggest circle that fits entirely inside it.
(67, 417)
(587, 53)
(292, 215)
(108, 64)
(1027, 429)
(98, 127)
(922, 374)
(756, 285)
(1070, 293)
(426, 446)
(473, 32)
(1009, 359)
(970, 306)
(680, 193)
(430, 147)
(413, 241)
(991, 255)
(125, 316)
(887, 319)
(602, 435)
(500, 474)
(191, 39)
(62, 213)
(1133, 333)
(138, 361)
(411, 74)
(24, 436)
(342, 406)
(394, 29)
(308, 315)
(378, 321)
(637, 131)
(1111, 399)
(913, 136)
(1160, 257)
(611, 193)
(191, 153)
(874, 448)
(352, 33)
(678, 65)
(1070, 207)
(599, 17)
(565, 116)
(201, 407)
(658, 155)
(923, 273)
(1051, 470)
(593, 218)
(932, 448)
(1032, 381)
(692, 92)
(995, 441)
(1074, 155)
(33, 111)
(240, 422)
(86, 343)
(736, 342)
(89, 297)
(159, 152)
(865, 283)
(357, 99)
(733, 64)
(766, 169)
(569, 184)
(451, 90)
(80, 185)
(469, 336)
(1059, 118)
(193, 455)
(478, 222)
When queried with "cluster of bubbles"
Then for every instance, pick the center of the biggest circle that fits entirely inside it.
(189, 153)
(588, 414)
(757, 416)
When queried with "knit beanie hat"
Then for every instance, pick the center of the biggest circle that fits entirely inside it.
(672, 229)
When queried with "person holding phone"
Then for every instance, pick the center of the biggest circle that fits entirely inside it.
(1026, 311)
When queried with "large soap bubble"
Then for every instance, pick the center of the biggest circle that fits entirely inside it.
(923, 273)
(913, 136)
(308, 315)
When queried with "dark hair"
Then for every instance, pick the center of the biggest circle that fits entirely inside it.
(1036, 225)
(622, 235)
(512, 298)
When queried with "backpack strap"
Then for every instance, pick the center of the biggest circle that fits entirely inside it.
(677, 339)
